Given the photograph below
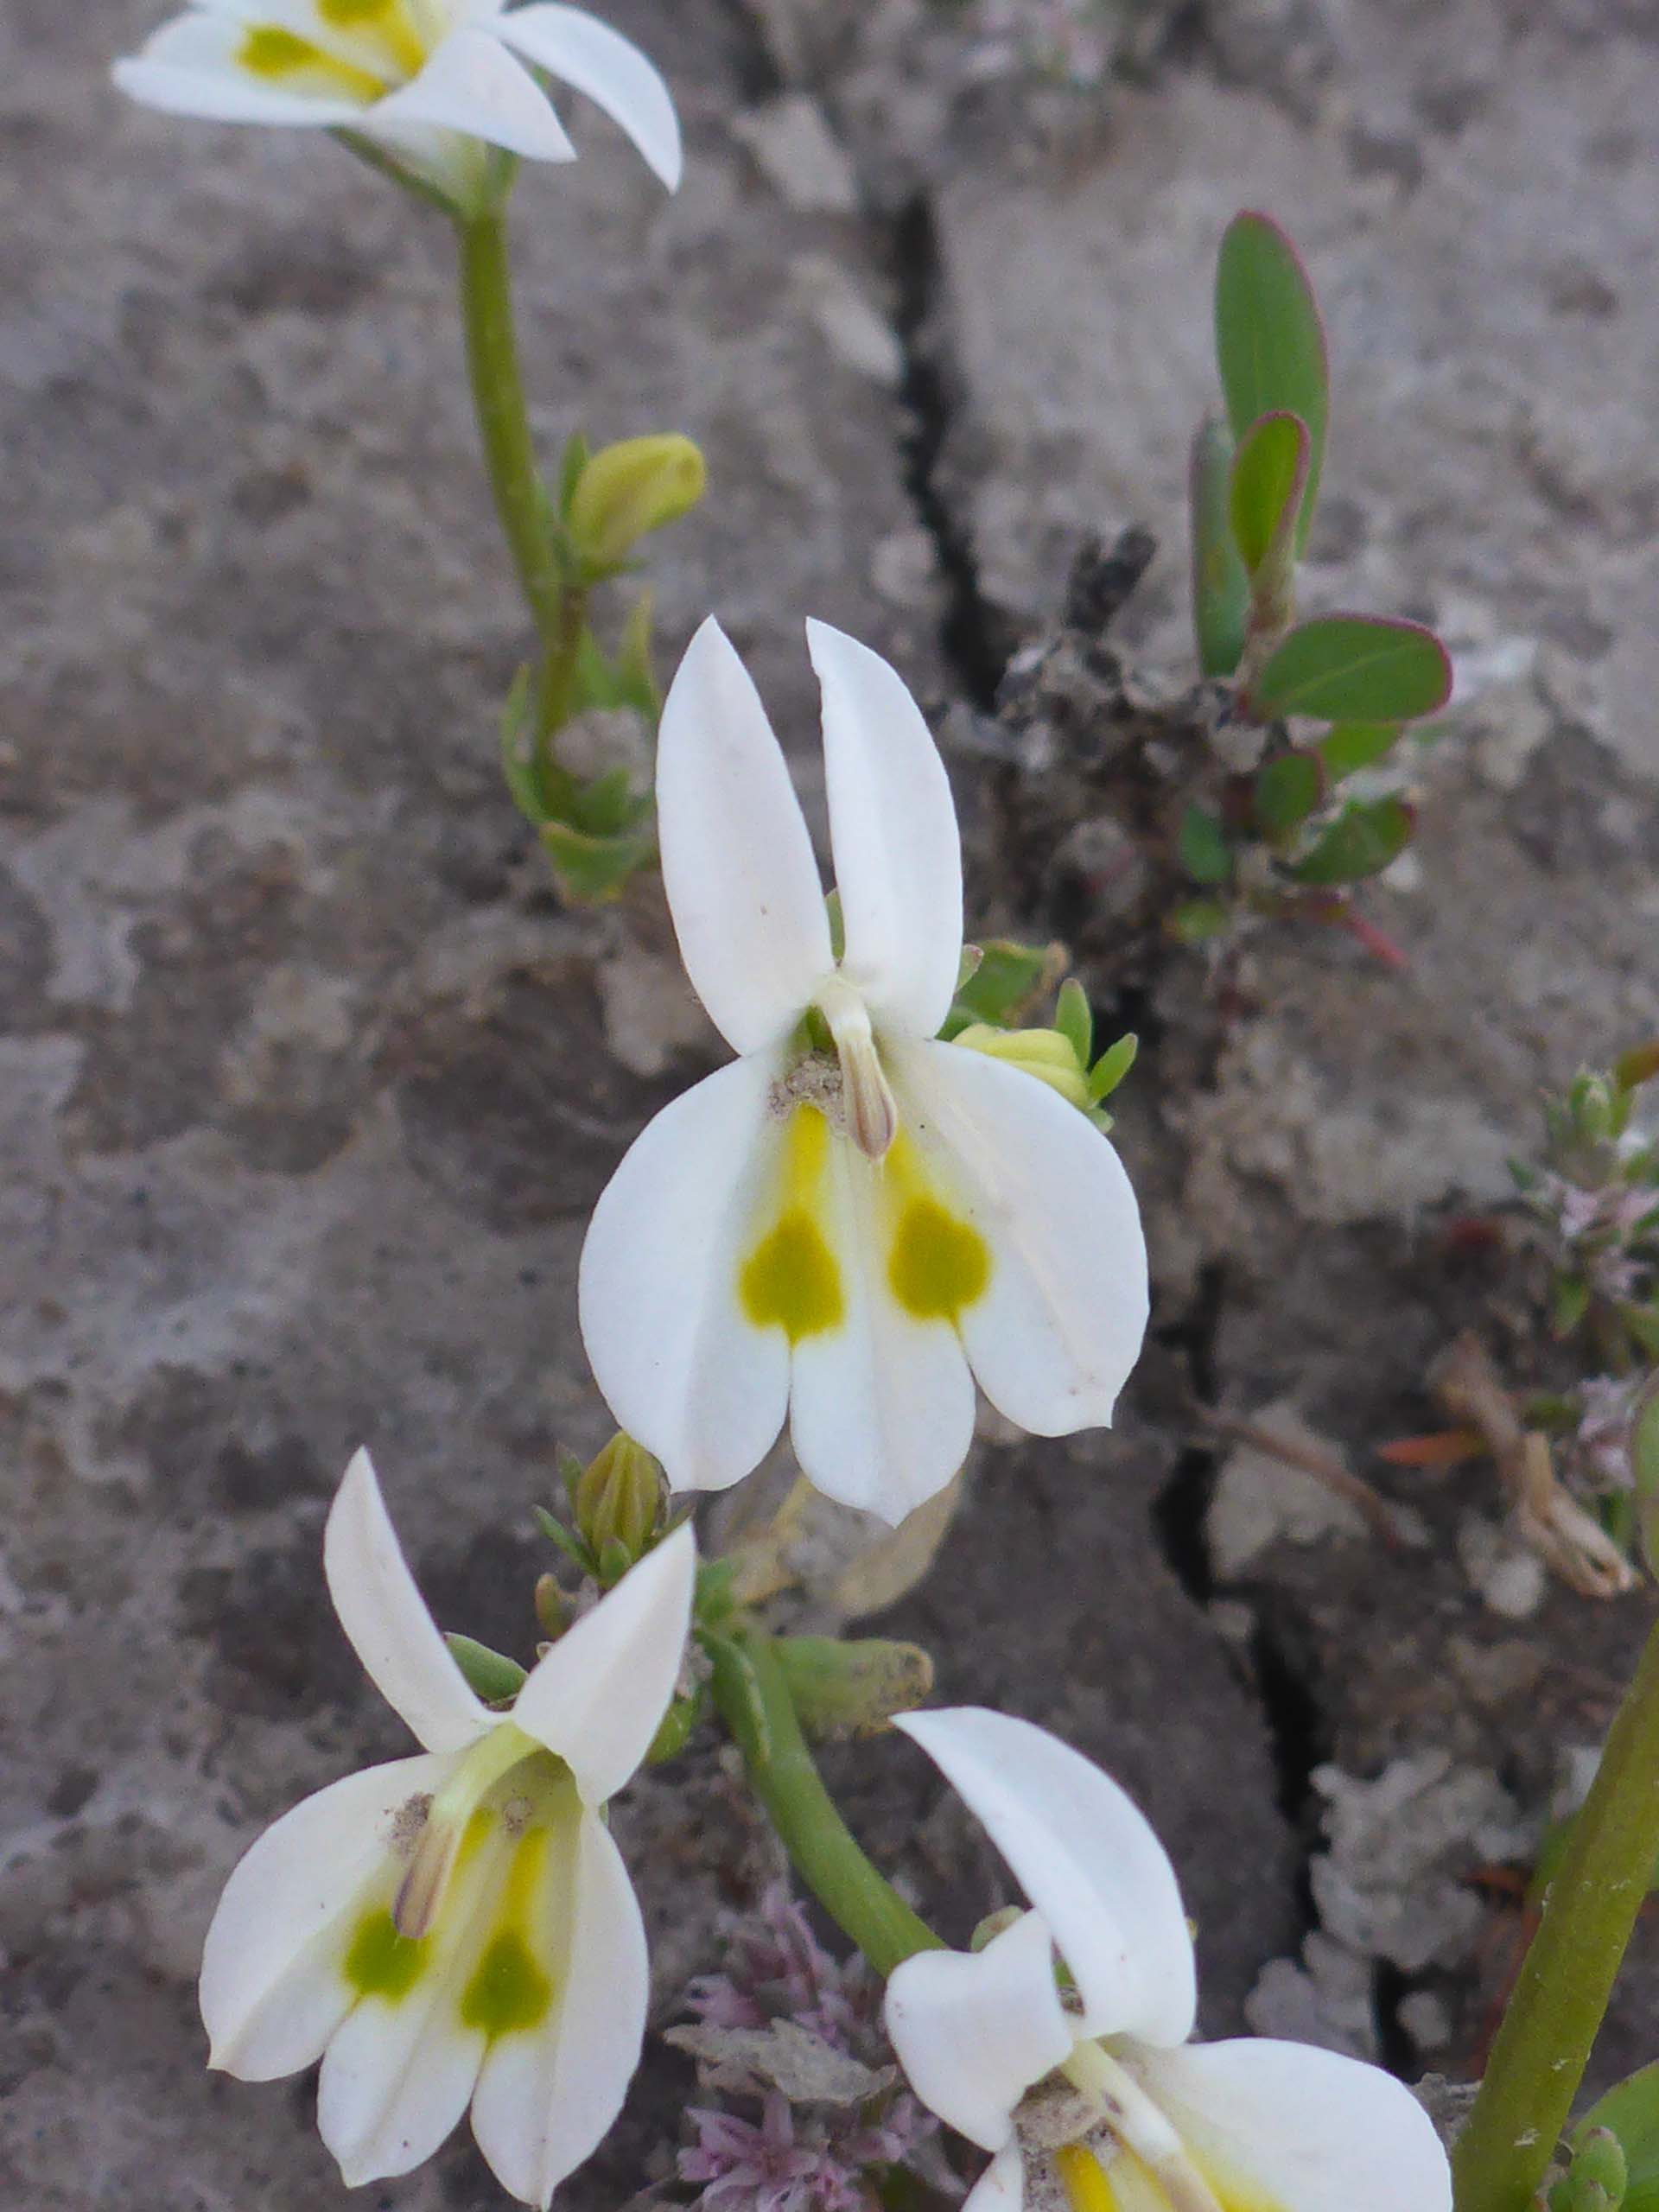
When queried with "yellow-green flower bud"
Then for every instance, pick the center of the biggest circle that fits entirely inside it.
(631, 488)
(621, 1500)
(1042, 1052)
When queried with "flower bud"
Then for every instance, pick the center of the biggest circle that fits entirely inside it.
(631, 488)
(620, 1499)
(1045, 1054)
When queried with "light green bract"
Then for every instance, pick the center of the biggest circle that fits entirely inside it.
(457, 1928)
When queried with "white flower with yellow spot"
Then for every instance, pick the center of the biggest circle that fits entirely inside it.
(855, 1220)
(1094, 2098)
(431, 84)
(458, 1927)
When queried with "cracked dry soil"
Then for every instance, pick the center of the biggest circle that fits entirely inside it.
(308, 1084)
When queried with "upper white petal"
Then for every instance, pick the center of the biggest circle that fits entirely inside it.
(1060, 1325)
(385, 1617)
(189, 68)
(471, 83)
(1087, 1858)
(272, 1993)
(975, 2029)
(544, 2100)
(1299, 2129)
(893, 826)
(679, 1365)
(598, 1696)
(737, 861)
(1001, 2187)
(609, 68)
(882, 1408)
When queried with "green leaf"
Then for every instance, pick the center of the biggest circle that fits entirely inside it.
(592, 870)
(1202, 843)
(490, 1674)
(1074, 1021)
(519, 765)
(1643, 1322)
(1112, 1066)
(1199, 920)
(1288, 789)
(1342, 667)
(1265, 497)
(1569, 1305)
(1644, 1471)
(1630, 2114)
(1361, 840)
(1221, 587)
(1353, 746)
(1270, 341)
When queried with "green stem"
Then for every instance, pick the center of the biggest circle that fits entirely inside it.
(504, 420)
(755, 1703)
(1561, 1995)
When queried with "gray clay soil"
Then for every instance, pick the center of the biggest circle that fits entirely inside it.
(307, 1084)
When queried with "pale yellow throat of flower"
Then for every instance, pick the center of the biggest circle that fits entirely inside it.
(485, 1853)
(384, 31)
(792, 1275)
(1144, 2166)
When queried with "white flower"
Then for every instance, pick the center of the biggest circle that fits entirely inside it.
(1131, 2116)
(850, 1234)
(457, 1928)
(429, 82)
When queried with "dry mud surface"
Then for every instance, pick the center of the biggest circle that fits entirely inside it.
(308, 1085)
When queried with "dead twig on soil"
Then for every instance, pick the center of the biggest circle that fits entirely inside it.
(1324, 1466)
(1569, 1540)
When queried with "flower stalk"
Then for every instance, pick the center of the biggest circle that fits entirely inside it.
(521, 499)
(1561, 1995)
(754, 1702)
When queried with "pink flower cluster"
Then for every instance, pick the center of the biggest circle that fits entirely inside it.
(762, 2151)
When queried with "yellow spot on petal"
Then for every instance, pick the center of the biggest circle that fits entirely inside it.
(509, 1990)
(386, 22)
(790, 1280)
(283, 57)
(938, 1265)
(379, 1962)
(1088, 2180)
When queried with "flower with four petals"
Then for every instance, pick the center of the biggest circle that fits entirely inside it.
(457, 1928)
(853, 1222)
(430, 85)
(1093, 2083)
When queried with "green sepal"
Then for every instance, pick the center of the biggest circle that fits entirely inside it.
(490, 1674)
(1270, 342)
(593, 870)
(1366, 837)
(567, 1540)
(574, 458)
(1112, 1066)
(1340, 668)
(1221, 585)
(1616, 2147)
(1074, 1019)
(1202, 844)
(1288, 789)
(1008, 976)
(675, 1728)
(1352, 746)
